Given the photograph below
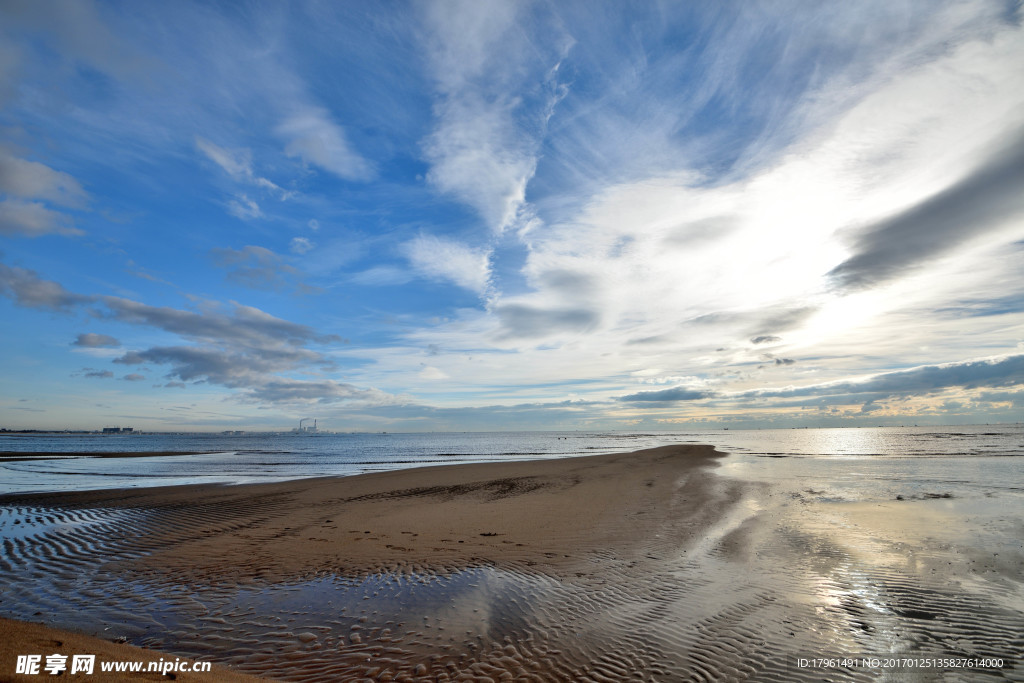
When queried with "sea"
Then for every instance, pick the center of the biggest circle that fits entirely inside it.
(959, 455)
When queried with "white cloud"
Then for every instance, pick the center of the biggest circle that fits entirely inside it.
(243, 207)
(484, 148)
(301, 245)
(382, 276)
(475, 155)
(237, 163)
(681, 273)
(318, 141)
(443, 259)
(463, 35)
(673, 249)
(430, 372)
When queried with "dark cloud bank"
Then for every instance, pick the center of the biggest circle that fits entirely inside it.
(980, 202)
(240, 348)
(923, 380)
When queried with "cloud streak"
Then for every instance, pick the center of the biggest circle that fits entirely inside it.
(256, 371)
(92, 340)
(243, 325)
(255, 267)
(520, 321)
(28, 290)
(999, 372)
(971, 374)
(245, 348)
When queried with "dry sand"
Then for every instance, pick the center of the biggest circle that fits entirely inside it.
(440, 519)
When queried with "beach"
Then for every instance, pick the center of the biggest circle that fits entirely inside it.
(659, 564)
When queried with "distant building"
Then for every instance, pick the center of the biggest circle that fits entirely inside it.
(118, 430)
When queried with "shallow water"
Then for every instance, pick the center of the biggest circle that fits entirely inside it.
(915, 556)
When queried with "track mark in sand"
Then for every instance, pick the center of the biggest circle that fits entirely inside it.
(494, 489)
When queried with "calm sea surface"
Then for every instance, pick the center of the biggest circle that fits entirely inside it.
(977, 454)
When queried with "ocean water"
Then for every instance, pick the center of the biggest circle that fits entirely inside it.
(970, 452)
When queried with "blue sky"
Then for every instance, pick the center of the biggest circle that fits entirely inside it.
(510, 215)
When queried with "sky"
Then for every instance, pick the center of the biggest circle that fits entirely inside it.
(508, 214)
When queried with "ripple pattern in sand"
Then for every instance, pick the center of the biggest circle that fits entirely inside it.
(735, 604)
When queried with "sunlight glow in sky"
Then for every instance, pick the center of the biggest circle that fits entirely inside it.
(483, 214)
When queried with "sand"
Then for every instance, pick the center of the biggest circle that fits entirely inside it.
(638, 566)
(440, 519)
(432, 519)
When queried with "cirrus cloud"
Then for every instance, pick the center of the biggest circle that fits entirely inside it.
(447, 260)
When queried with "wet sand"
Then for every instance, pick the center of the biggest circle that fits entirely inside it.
(640, 566)
(430, 520)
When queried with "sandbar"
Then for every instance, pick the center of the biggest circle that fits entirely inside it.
(589, 521)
